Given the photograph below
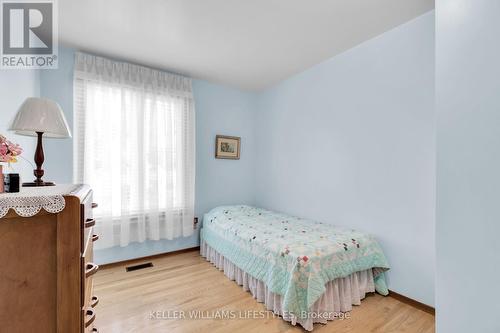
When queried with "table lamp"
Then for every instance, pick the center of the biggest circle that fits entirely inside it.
(40, 117)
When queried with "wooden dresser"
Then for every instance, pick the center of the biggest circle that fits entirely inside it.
(46, 269)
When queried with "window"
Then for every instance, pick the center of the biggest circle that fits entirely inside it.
(134, 145)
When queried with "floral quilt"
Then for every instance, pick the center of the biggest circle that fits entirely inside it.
(294, 257)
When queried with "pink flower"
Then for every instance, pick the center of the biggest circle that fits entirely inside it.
(15, 149)
(8, 150)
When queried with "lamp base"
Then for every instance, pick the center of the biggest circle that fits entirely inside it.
(37, 184)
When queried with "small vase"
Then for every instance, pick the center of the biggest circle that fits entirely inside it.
(1, 179)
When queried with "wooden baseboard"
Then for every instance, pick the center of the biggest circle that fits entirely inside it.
(412, 302)
(151, 257)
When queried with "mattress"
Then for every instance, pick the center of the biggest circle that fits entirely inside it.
(294, 257)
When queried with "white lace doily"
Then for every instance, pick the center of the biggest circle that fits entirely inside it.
(31, 200)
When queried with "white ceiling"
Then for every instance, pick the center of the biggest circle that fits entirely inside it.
(251, 44)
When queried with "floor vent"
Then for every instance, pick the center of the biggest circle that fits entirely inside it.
(140, 266)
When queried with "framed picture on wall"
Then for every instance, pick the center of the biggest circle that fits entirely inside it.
(227, 147)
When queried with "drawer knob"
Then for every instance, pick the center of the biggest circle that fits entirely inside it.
(94, 301)
(89, 223)
(94, 205)
(95, 237)
(95, 330)
(90, 314)
(91, 269)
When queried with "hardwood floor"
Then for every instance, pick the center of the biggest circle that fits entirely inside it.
(139, 301)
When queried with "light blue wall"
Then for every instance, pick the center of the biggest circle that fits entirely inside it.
(15, 87)
(468, 166)
(219, 110)
(57, 84)
(227, 111)
(351, 142)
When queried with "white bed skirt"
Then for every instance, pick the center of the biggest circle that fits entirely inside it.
(340, 295)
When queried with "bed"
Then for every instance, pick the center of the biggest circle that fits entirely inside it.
(305, 271)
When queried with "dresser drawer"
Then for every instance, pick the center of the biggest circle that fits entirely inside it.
(87, 219)
(91, 305)
(89, 316)
(91, 329)
(89, 268)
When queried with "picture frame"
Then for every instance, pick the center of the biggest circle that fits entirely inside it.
(227, 147)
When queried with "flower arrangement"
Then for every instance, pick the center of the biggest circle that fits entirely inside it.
(8, 150)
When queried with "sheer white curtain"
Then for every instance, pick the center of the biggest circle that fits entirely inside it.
(134, 144)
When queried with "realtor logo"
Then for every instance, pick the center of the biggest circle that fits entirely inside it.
(29, 34)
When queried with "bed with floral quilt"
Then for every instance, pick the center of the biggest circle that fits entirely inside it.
(305, 271)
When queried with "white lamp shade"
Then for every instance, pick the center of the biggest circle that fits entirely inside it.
(40, 115)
